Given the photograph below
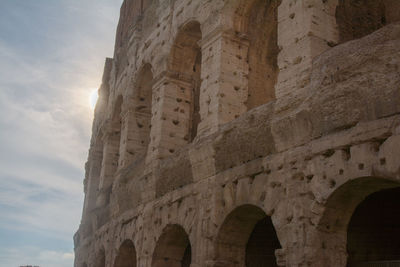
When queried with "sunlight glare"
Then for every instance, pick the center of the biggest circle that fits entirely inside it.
(93, 98)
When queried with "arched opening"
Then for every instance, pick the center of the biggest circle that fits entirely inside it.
(185, 67)
(143, 113)
(100, 260)
(258, 21)
(126, 255)
(360, 212)
(173, 248)
(358, 18)
(247, 238)
(373, 234)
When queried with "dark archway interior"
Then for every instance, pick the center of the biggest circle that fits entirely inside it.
(187, 256)
(247, 238)
(358, 18)
(126, 255)
(173, 248)
(374, 229)
(261, 246)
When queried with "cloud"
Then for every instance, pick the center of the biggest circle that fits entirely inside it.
(35, 256)
(52, 57)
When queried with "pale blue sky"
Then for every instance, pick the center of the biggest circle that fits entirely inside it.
(51, 57)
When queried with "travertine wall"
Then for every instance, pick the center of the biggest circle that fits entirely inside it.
(243, 132)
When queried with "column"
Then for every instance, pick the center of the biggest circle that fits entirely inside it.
(305, 30)
(108, 167)
(224, 74)
(171, 115)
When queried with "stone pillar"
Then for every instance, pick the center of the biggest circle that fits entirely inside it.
(305, 30)
(171, 115)
(93, 176)
(125, 155)
(135, 135)
(108, 167)
(224, 75)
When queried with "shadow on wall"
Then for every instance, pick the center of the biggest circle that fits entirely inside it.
(362, 217)
(358, 18)
(126, 255)
(173, 248)
(247, 237)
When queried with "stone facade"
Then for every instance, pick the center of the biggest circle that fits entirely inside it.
(246, 133)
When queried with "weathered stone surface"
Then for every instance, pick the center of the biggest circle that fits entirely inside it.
(245, 132)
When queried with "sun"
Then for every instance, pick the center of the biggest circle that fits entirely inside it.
(93, 98)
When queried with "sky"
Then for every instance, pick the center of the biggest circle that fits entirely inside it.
(52, 56)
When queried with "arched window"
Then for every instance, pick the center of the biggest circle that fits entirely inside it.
(185, 67)
(173, 248)
(257, 20)
(247, 238)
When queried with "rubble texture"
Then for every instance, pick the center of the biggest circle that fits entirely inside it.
(233, 133)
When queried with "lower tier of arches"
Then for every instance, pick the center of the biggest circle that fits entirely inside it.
(339, 208)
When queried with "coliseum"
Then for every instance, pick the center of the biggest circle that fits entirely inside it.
(232, 133)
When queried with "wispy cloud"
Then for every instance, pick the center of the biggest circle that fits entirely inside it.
(47, 258)
(52, 54)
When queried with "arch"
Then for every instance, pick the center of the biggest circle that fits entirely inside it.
(246, 238)
(185, 66)
(340, 207)
(257, 20)
(173, 248)
(100, 260)
(358, 18)
(373, 233)
(126, 255)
